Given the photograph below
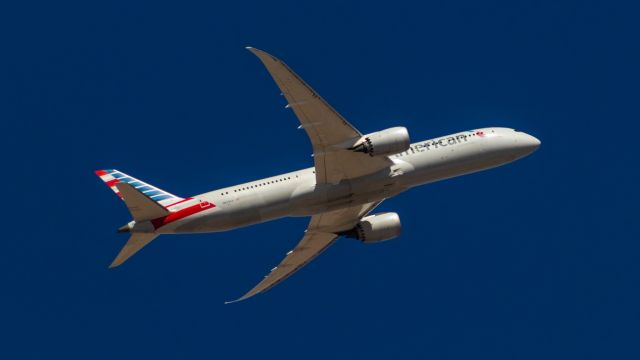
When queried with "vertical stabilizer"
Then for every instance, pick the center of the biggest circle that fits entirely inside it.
(112, 177)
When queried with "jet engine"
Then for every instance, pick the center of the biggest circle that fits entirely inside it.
(376, 228)
(386, 142)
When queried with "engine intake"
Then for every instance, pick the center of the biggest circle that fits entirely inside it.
(376, 228)
(386, 142)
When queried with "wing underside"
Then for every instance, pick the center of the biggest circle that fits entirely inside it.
(323, 231)
(331, 134)
(331, 137)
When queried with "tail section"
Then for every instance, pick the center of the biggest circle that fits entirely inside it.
(145, 202)
(136, 242)
(112, 177)
(141, 206)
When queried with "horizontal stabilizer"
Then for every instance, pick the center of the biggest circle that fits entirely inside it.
(140, 205)
(136, 242)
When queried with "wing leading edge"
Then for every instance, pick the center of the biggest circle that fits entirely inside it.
(322, 231)
(331, 137)
(330, 134)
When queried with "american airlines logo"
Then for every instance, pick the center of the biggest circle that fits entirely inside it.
(434, 144)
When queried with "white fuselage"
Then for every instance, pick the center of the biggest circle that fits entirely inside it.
(297, 194)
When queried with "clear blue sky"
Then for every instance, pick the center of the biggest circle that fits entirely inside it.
(536, 259)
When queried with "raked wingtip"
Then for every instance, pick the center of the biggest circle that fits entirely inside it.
(233, 301)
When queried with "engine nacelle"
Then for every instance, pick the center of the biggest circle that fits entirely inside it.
(376, 228)
(386, 142)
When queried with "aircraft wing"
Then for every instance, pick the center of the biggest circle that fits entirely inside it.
(331, 135)
(322, 231)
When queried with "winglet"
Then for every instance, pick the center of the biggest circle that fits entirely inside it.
(263, 56)
(234, 301)
(243, 297)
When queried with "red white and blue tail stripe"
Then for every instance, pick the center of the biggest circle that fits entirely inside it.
(111, 177)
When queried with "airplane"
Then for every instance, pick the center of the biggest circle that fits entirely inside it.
(352, 174)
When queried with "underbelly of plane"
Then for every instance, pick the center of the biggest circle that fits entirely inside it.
(311, 203)
(310, 199)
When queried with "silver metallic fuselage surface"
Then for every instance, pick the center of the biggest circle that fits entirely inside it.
(296, 193)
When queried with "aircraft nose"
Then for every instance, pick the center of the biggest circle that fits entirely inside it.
(532, 142)
(527, 143)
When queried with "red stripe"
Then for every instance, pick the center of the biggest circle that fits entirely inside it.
(179, 202)
(111, 182)
(182, 213)
(101, 172)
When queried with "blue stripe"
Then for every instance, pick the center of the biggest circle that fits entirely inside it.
(145, 188)
(153, 192)
(161, 197)
(136, 183)
(117, 175)
(126, 179)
